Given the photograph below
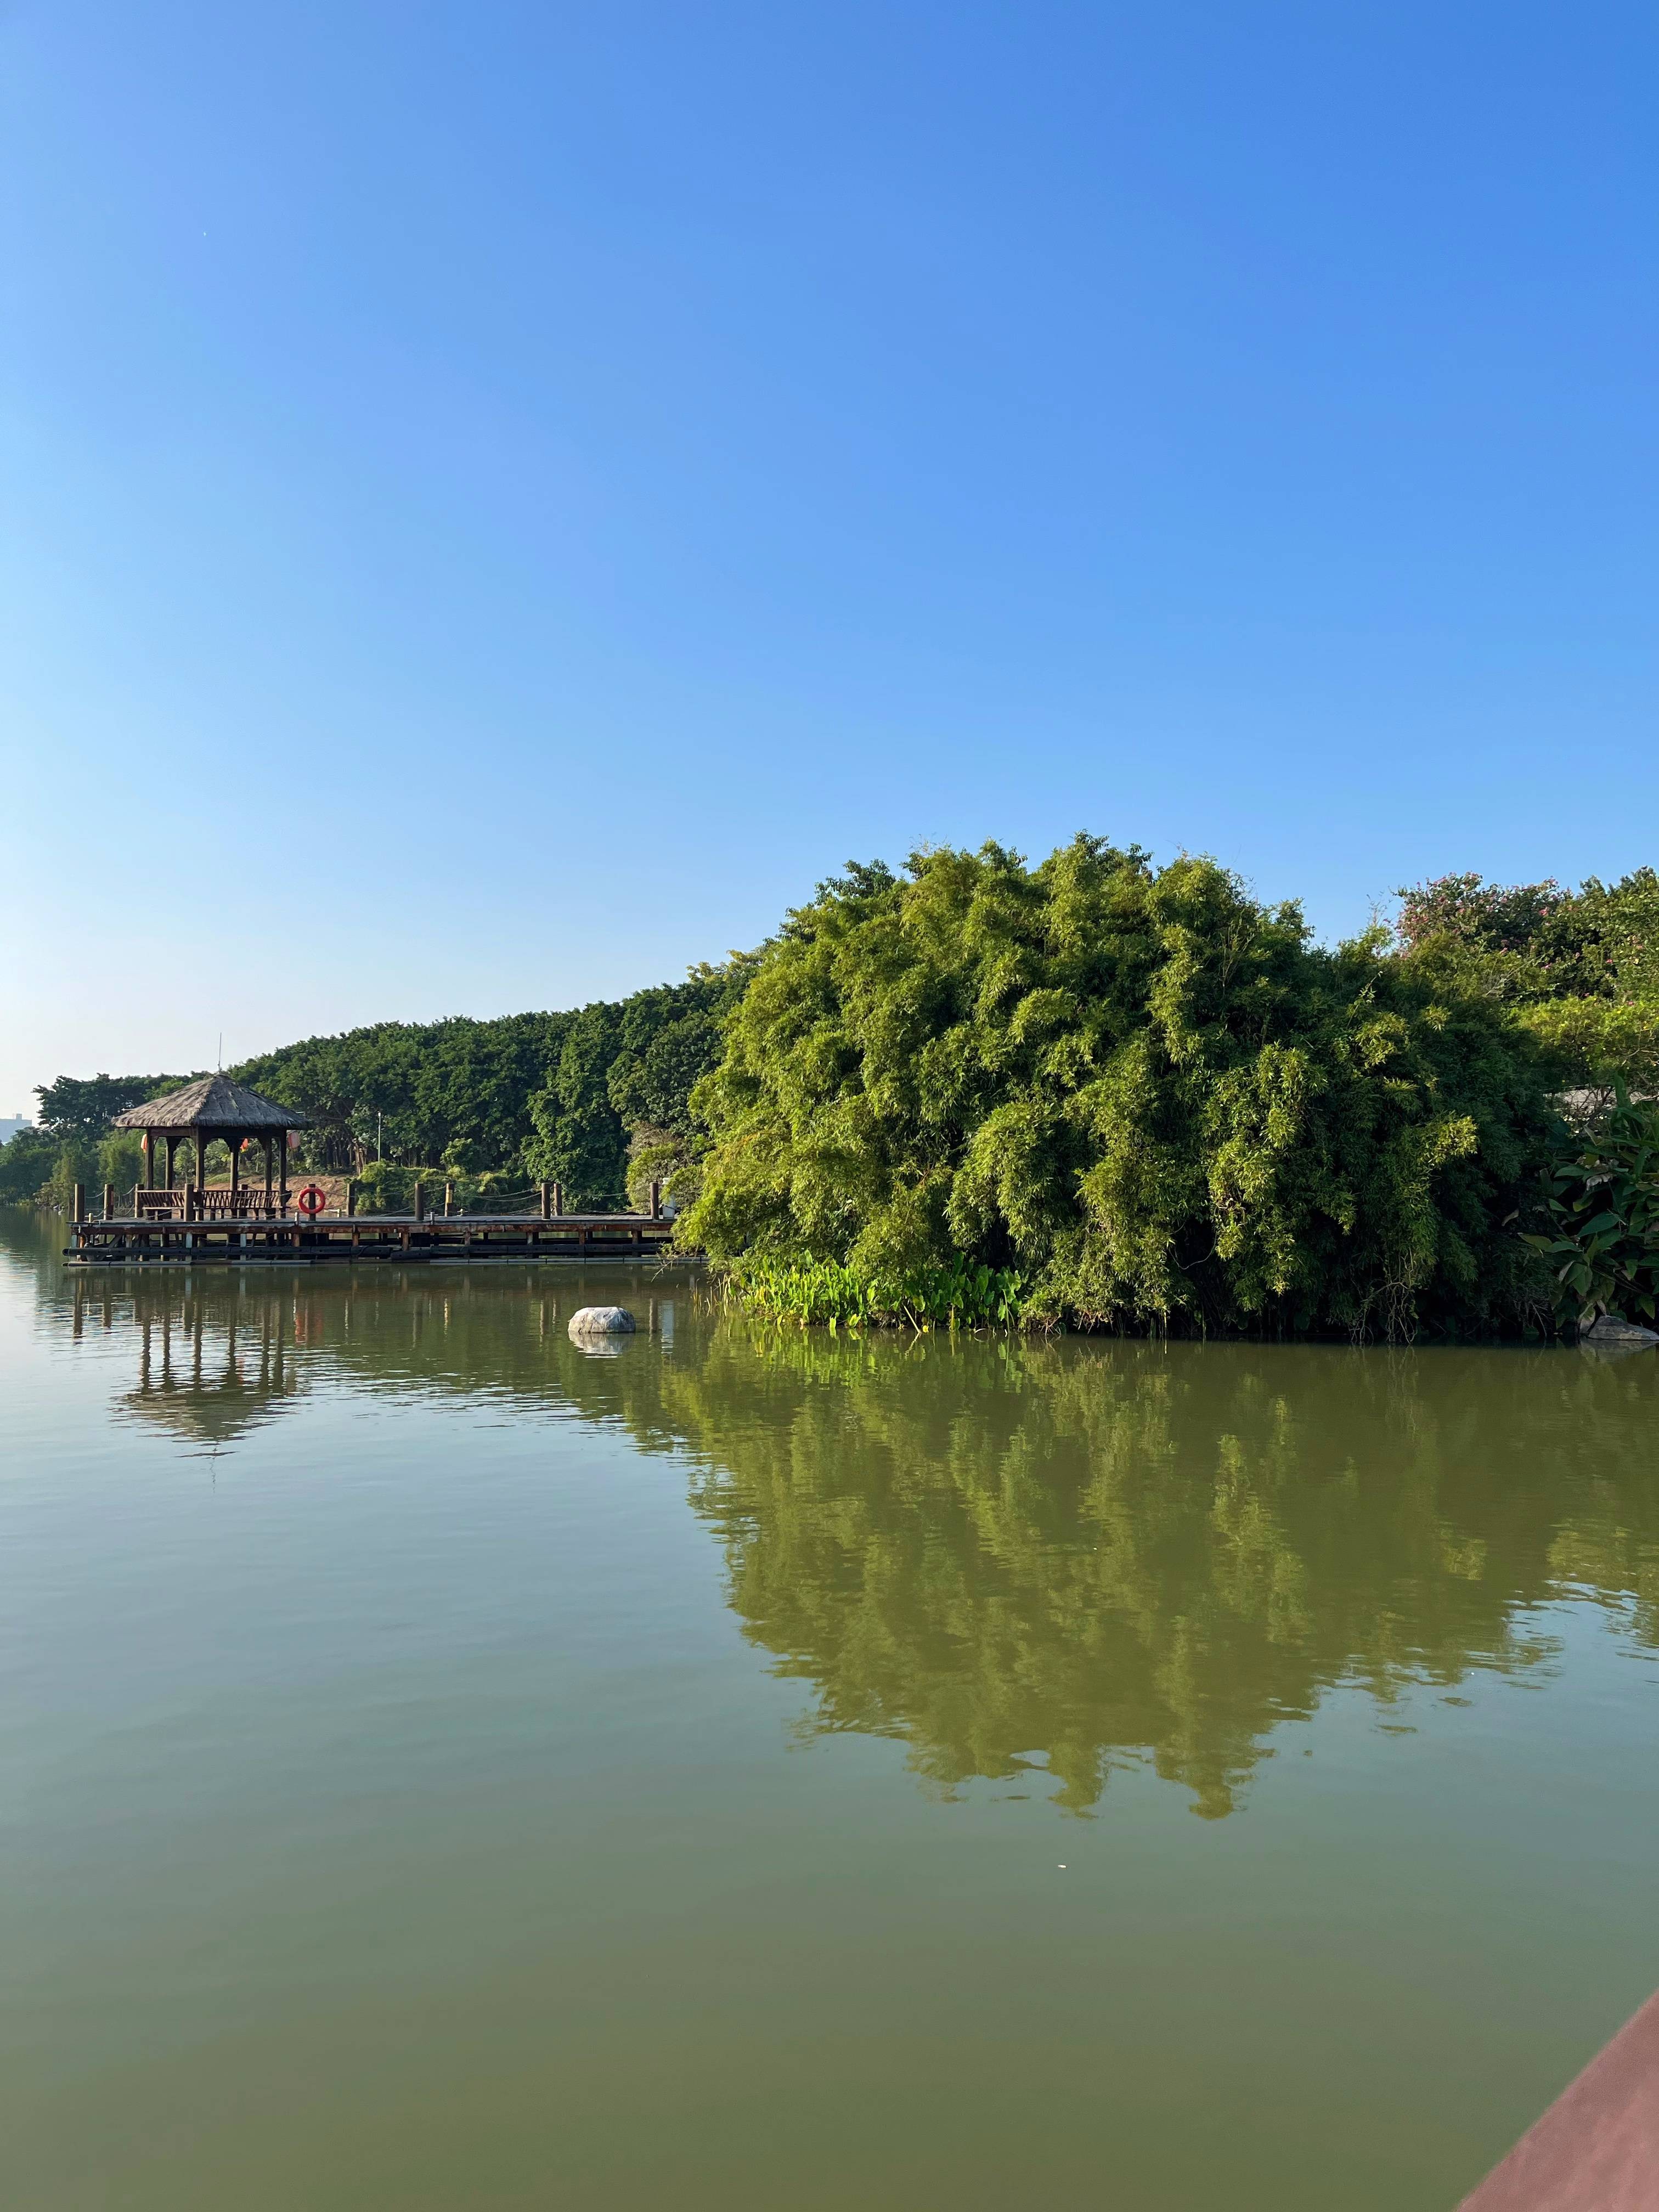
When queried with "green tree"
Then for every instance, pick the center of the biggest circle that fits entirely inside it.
(74, 1142)
(1581, 967)
(456, 1089)
(26, 1162)
(1151, 1094)
(527, 1095)
(579, 1140)
(669, 1040)
(81, 1108)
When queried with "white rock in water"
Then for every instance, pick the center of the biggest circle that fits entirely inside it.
(1610, 1329)
(601, 1321)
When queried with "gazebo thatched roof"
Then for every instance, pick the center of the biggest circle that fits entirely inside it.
(213, 1102)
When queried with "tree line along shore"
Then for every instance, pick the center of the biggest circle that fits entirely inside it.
(1094, 1092)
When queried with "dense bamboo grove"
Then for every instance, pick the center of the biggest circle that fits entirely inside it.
(1149, 1093)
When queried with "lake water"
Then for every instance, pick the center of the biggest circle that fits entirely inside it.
(439, 1768)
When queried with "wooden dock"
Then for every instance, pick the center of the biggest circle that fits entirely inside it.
(1596, 2150)
(345, 1240)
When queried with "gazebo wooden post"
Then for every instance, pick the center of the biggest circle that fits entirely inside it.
(149, 1159)
(235, 1144)
(167, 1147)
(281, 1139)
(270, 1164)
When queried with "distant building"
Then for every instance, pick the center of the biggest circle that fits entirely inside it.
(9, 1128)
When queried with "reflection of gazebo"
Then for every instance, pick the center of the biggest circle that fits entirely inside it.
(212, 1368)
(214, 1109)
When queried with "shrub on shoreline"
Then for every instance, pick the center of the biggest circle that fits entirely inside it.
(1600, 1212)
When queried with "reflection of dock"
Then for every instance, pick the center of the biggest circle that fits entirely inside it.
(341, 1239)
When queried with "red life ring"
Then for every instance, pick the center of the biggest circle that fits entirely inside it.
(312, 1201)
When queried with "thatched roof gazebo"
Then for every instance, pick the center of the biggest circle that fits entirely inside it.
(211, 1108)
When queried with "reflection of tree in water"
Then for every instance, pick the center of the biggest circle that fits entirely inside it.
(1108, 1551)
(1092, 1552)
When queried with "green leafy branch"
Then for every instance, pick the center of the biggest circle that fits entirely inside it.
(1602, 1203)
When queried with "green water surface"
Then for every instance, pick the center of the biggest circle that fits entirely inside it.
(442, 1768)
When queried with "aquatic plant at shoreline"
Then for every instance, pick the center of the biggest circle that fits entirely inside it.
(958, 1294)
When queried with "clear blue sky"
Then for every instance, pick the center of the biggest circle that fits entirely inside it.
(499, 500)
